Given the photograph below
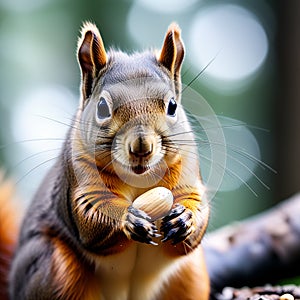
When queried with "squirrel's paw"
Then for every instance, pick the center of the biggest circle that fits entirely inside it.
(178, 225)
(138, 226)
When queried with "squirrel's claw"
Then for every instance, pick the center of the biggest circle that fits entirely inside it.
(178, 225)
(139, 228)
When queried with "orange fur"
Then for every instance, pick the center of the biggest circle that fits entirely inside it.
(9, 228)
(73, 277)
(192, 280)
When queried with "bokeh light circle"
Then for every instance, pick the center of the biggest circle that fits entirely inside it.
(231, 34)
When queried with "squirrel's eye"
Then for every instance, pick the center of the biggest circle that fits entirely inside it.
(103, 109)
(172, 106)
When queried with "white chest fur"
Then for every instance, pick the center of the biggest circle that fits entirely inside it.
(137, 273)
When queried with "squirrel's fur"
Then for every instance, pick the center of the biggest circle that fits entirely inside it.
(82, 237)
(10, 216)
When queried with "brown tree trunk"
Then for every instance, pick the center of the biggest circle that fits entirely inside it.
(288, 120)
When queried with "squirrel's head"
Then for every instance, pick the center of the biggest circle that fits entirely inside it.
(130, 113)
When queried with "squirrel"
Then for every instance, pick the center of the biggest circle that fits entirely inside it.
(82, 237)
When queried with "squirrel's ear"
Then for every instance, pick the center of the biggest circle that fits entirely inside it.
(172, 52)
(91, 56)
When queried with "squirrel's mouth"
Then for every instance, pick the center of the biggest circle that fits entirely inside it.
(140, 169)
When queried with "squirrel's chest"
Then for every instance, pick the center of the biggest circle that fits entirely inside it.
(136, 273)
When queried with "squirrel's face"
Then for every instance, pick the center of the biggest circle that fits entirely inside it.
(132, 125)
(131, 113)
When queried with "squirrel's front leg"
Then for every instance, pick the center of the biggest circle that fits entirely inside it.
(138, 226)
(108, 223)
(187, 221)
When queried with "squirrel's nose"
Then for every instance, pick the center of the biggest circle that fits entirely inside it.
(141, 146)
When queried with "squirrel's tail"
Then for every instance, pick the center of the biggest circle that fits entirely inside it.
(9, 227)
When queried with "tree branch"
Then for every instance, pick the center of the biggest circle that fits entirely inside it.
(259, 250)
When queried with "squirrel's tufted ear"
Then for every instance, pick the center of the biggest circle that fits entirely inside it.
(172, 52)
(91, 56)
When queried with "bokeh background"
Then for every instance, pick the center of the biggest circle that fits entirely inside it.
(248, 52)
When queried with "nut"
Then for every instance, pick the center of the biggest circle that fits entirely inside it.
(156, 202)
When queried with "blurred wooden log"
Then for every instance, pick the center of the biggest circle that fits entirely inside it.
(259, 250)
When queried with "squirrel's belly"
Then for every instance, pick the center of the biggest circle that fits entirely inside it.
(137, 273)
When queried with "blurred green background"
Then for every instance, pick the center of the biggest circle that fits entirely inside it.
(250, 82)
